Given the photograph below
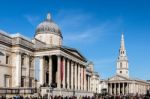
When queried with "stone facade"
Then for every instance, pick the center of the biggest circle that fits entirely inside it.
(44, 63)
(93, 79)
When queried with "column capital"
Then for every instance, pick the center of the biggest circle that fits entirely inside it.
(40, 57)
(50, 56)
(18, 52)
(58, 55)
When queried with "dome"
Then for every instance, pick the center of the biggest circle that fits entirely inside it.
(48, 26)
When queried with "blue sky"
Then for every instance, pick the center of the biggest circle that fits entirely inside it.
(92, 26)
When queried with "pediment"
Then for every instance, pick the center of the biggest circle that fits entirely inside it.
(118, 78)
(75, 52)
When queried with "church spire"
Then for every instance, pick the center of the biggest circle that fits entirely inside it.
(122, 42)
(122, 46)
(122, 62)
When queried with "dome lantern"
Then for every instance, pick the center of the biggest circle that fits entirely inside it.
(48, 17)
(49, 32)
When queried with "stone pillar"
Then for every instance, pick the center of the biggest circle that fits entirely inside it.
(50, 70)
(81, 71)
(78, 77)
(118, 88)
(27, 64)
(115, 88)
(34, 66)
(127, 88)
(75, 76)
(18, 69)
(64, 66)
(110, 88)
(58, 71)
(68, 84)
(123, 88)
(84, 69)
(72, 75)
(41, 70)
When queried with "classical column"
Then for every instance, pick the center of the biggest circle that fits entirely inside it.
(18, 69)
(78, 77)
(127, 88)
(34, 66)
(110, 88)
(81, 71)
(115, 88)
(64, 66)
(27, 64)
(58, 71)
(123, 88)
(50, 70)
(75, 76)
(84, 69)
(118, 88)
(68, 84)
(72, 75)
(41, 70)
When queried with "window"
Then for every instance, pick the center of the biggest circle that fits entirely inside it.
(7, 81)
(22, 61)
(30, 82)
(31, 62)
(120, 65)
(22, 81)
(120, 72)
(7, 59)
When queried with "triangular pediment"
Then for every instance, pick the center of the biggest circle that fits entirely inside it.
(118, 78)
(75, 52)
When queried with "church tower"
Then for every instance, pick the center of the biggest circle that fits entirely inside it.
(122, 61)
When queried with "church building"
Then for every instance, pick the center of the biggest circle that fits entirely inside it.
(122, 83)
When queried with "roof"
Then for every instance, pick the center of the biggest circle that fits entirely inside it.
(74, 51)
(121, 78)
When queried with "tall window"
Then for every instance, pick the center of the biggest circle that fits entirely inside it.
(30, 82)
(22, 61)
(7, 59)
(22, 81)
(121, 65)
(7, 80)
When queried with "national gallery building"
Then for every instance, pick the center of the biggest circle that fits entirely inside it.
(43, 63)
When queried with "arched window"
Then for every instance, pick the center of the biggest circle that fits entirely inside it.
(121, 65)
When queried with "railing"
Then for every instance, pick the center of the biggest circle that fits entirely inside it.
(17, 90)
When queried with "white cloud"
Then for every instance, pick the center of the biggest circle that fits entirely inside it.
(33, 20)
(89, 34)
(78, 26)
